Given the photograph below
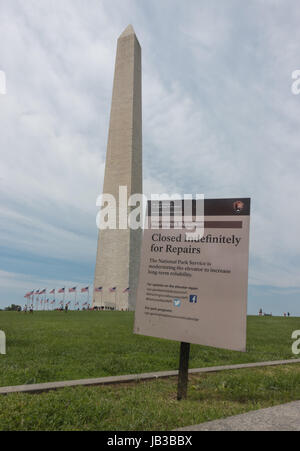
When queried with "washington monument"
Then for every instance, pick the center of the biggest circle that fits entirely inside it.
(118, 252)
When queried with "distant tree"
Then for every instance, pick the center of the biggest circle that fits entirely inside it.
(13, 308)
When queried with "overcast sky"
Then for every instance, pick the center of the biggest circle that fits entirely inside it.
(219, 118)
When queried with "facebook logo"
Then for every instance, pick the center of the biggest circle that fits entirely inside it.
(193, 298)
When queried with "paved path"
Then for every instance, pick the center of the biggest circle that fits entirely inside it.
(280, 418)
(37, 388)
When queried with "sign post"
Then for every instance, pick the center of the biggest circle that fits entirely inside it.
(183, 370)
(194, 290)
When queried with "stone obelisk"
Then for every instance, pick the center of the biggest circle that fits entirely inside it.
(118, 253)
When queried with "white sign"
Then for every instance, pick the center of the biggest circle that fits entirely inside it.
(2, 342)
(196, 291)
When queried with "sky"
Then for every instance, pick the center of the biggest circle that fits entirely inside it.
(219, 118)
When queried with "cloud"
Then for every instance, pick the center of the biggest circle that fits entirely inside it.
(218, 118)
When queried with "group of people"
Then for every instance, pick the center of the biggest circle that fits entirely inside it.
(66, 308)
(260, 313)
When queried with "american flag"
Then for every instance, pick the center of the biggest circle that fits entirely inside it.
(126, 290)
(43, 291)
(113, 289)
(98, 290)
(52, 291)
(37, 292)
(72, 290)
(84, 290)
(61, 290)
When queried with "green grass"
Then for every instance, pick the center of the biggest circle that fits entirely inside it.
(51, 346)
(151, 405)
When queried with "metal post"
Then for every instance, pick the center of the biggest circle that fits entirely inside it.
(183, 370)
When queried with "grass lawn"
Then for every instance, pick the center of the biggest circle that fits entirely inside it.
(151, 405)
(51, 346)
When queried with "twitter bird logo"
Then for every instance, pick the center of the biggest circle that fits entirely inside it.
(177, 302)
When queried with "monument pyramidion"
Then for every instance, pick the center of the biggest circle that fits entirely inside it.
(118, 251)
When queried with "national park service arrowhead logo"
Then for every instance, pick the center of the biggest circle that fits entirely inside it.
(238, 206)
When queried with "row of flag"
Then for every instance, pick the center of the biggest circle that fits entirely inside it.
(72, 290)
